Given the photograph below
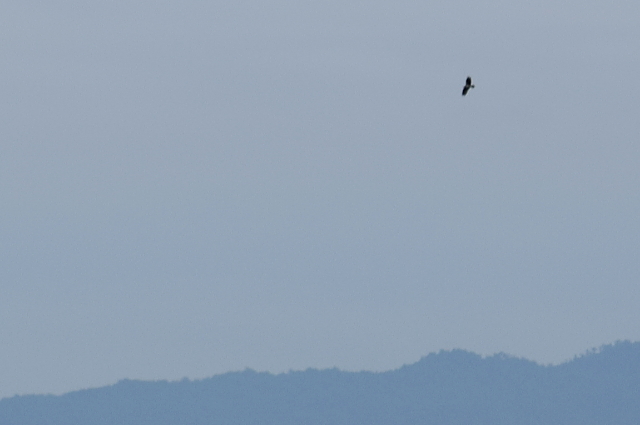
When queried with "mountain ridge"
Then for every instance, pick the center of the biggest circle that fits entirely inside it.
(449, 387)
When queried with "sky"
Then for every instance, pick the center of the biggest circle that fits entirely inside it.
(195, 187)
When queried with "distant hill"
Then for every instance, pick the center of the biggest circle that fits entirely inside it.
(452, 387)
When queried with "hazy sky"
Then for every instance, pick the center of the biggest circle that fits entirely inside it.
(193, 187)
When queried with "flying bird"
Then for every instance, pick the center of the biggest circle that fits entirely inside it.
(467, 86)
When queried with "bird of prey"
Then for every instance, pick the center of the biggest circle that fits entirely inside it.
(467, 86)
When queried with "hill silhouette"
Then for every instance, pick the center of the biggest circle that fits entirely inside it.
(447, 388)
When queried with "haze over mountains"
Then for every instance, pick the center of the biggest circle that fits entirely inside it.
(190, 188)
(451, 387)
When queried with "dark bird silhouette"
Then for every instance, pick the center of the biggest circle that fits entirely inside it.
(467, 86)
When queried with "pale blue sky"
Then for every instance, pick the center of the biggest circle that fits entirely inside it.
(195, 187)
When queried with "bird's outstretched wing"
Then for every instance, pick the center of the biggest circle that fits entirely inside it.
(468, 85)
